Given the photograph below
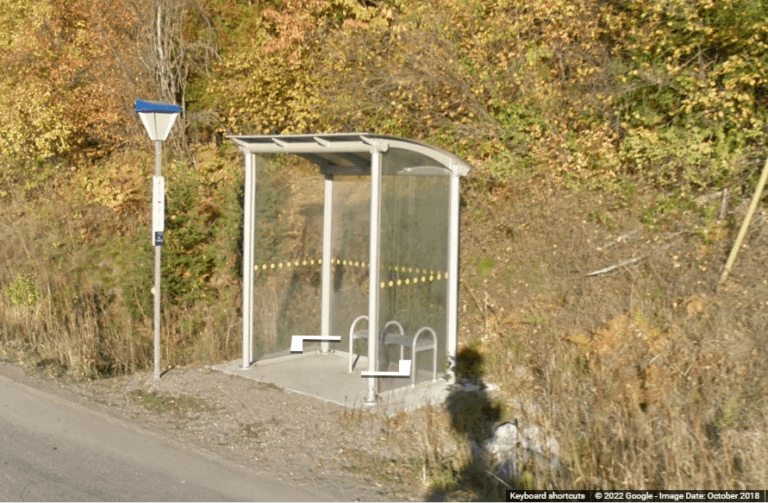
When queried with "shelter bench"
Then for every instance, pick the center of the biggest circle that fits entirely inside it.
(417, 343)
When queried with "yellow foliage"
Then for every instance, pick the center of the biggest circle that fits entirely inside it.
(62, 89)
(674, 90)
(662, 88)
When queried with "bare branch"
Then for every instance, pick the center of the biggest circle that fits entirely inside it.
(615, 266)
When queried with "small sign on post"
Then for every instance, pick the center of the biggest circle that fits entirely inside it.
(158, 210)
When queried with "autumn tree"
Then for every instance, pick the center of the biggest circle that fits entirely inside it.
(69, 77)
(691, 100)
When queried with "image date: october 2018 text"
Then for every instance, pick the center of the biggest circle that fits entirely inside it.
(642, 495)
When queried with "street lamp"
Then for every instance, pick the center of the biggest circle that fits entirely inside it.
(158, 119)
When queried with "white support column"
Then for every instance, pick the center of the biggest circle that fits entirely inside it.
(325, 308)
(249, 205)
(373, 281)
(452, 329)
(158, 258)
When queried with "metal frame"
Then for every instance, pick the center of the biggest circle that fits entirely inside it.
(352, 154)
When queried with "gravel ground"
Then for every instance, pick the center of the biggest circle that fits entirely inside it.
(349, 453)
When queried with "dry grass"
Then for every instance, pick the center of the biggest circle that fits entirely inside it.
(648, 377)
(62, 308)
(652, 409)
(631, 406)
(46, 315)
(637, 407)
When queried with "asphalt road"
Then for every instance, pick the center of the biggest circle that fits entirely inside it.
(52, 449)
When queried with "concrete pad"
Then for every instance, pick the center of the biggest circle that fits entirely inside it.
(325, 377)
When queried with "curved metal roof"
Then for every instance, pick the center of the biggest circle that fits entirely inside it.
(350, 153)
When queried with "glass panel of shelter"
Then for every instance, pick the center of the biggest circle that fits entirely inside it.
(350, 253)
(414, 259)
(288, 248)
(413, 255)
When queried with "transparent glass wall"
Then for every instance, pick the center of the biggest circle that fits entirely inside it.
(414, 261)
(413, 253)
(288, 248)
(350, 252)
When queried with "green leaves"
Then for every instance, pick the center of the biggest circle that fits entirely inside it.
(22, 292)
(694, 99)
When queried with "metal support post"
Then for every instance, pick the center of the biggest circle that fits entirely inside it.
(158, 170)
(373, 280)
(325, 308)
(158, 119)
(248, 259)
(453, 278)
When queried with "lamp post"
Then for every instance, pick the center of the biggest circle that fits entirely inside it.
(158, 119)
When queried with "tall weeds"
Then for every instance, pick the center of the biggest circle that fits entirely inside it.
(635, 407)
(75, 306)
(54, 311)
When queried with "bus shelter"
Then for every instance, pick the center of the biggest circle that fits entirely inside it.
(386, 269)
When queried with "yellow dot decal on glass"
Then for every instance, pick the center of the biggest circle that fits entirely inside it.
(391, 283)
(399, 282)
(423, 279)
(446, 275)
(383, 284)
(431, 278)
(407, 281)
(272, 266)
(439, 276)
(415, 280)
(410, 269)
(304, 262)
(280, 265)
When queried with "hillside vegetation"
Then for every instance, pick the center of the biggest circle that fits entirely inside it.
(600, 133)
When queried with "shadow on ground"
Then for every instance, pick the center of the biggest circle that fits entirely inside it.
(474, 416)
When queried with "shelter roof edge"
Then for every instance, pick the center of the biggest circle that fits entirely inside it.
(317, 146)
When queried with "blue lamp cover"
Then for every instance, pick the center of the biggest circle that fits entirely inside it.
(157, 117)
(145, 106)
